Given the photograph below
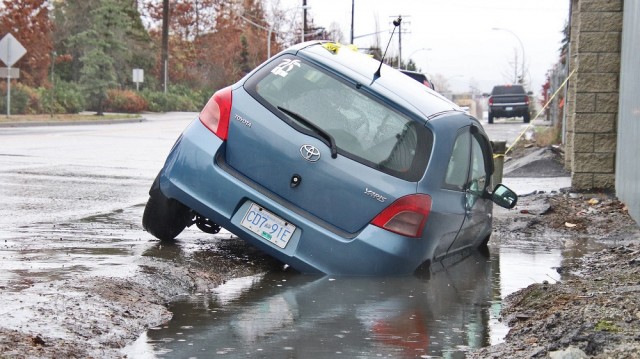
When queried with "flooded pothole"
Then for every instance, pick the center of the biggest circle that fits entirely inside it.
(46, 252)
(453, 310)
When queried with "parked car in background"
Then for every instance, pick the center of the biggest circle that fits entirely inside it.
(420, 77)
(331, 167)
(509, 101)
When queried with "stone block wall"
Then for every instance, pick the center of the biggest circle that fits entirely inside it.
(592, 106)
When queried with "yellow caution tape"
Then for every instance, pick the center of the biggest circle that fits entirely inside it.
(538, 115)
(334, 47)
(331, 46)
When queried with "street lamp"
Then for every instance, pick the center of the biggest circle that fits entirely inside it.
(418, 50)
(521, 46)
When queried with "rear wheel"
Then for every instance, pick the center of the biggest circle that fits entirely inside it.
(490, 117)
(485, 242)
(526, 117)
(164, 217)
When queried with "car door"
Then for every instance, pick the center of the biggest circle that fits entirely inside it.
(478, 209)
(452, 206)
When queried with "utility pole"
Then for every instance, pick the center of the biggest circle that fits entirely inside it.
(165, 43)
(304, 19)
(352, 14)
(400, 43)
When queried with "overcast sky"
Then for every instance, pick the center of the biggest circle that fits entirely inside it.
(455, 38)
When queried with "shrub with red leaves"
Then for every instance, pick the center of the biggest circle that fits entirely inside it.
(126, 101)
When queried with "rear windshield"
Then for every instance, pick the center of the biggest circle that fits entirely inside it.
(364, 128)
(508, 90)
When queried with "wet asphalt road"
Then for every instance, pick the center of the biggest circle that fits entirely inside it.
(71, 197)
(51, 174)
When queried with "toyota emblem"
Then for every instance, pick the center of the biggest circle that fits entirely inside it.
(310, 153)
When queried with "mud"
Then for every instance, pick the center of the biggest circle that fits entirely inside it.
(593, 311)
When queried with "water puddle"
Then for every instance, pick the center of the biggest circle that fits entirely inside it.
(525, 185)
(450, 310)
(44, 252)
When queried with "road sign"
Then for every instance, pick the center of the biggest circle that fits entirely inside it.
(9, 73)
(11, 50)
(138, 77)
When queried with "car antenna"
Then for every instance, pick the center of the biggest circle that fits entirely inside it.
(396, 23)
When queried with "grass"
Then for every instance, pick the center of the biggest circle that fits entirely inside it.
(606, 326)
(547, 136)
(64, 117)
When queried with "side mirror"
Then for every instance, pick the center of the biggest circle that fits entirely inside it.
(504, 197)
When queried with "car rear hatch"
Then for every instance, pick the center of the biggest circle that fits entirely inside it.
(323, 144)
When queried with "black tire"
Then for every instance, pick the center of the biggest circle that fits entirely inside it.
(485, 242)
(526, 117)
(165, 218)
(490, 117)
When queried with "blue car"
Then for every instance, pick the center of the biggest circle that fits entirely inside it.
(332, 164)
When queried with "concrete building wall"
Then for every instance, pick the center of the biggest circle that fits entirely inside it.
(628, 151)
(591, 123)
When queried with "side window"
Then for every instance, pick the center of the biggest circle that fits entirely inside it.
(458, 168)
(478, 165)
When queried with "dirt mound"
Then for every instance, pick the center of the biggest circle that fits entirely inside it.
(536, 162)
(595, 313)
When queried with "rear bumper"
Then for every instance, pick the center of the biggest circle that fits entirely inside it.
(192, 176)
(509, 110)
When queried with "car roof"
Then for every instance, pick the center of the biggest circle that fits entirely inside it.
(415, 75)
(507, 89)
(392, 84)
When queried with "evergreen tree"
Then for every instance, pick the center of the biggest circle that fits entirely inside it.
(102, 46)
(74, 19)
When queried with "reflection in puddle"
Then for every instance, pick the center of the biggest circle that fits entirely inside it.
(454, 309)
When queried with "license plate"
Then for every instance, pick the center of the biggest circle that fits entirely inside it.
(508, 108)
(268, 226)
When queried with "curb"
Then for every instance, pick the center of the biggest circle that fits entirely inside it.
(69, 123)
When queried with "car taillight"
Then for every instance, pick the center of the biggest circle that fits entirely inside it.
(216, 113)
(406, 216)
(526, 100)
(490, 100)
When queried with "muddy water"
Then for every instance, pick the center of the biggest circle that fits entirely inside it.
(445, 312)
(94, 246)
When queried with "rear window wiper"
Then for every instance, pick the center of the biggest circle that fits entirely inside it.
(324, 134)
